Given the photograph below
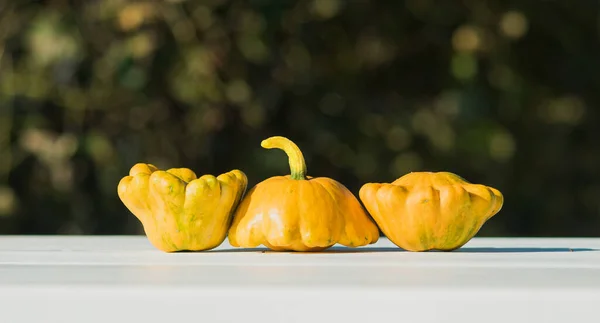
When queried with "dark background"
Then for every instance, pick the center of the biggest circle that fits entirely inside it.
(503, 93)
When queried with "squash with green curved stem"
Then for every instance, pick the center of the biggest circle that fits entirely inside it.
(180, 212)
(424, 211)
(298, 212)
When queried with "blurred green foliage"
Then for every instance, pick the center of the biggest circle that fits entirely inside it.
(500, 92)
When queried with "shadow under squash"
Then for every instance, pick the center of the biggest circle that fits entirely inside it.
(519, 250)
(239, 250)
(329, 250)
(342, 249)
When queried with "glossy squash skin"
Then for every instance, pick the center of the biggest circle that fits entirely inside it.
(180, 212)
(298, 212)
(424, 211)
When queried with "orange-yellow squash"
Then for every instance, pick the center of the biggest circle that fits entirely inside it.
(423, 211)
(180, 212)
(298, 212)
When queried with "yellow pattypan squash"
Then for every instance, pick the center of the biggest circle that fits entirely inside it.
(179, 211)
(424, 211)
(300, 213)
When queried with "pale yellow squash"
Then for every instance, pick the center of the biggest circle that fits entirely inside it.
(180, 212)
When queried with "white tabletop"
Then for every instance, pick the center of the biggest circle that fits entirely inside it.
(124, 279)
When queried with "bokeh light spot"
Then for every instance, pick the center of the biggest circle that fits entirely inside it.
(405, 163)
(8, 201)
(564, 110)
(466, 39)
(514, 24)
(238, 91)
(464, 66)
(398, 138)
(326, 9)
(502, 146)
